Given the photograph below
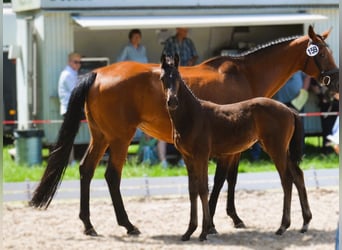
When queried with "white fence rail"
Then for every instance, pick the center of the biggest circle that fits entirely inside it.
(164, 186)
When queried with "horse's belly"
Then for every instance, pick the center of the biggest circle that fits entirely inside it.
(232, 146)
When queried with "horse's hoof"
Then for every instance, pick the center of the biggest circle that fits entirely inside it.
(280, 231)
(240, 225)
(185, 237)
(304, 228)
(91, 232)
(203, 237)
(133, 231)
(212, 230)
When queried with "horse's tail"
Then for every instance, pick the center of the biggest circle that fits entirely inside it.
(59, 157)
(296, 143)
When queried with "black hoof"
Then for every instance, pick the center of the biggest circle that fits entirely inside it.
(91, 232)
(240, 225)
(133, 231)
(304, 229)
(280, 231)
(185, 237)
(203, 237)
(212, 230)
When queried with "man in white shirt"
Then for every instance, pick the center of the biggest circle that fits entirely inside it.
(68, 80)
(66, 83)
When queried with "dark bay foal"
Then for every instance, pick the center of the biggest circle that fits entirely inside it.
(202, 129)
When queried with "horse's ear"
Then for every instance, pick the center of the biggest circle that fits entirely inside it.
(312, 34)
(176, 60)
(326, 33)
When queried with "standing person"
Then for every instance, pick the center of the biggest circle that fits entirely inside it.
(68, 80)
(183, 46)
(294, 93)
(147, 153)
(134, 50)
(66, 83)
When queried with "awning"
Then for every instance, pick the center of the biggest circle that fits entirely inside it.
(155, 22)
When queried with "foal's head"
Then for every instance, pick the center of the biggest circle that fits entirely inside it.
(171, 80)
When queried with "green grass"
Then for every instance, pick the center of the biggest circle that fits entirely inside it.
(313, 159)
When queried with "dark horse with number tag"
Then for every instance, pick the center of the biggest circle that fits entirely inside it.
(123, 96)
(202, 129)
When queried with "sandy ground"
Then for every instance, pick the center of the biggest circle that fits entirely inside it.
(163, 220)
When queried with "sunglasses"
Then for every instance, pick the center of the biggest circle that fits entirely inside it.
(77, 62)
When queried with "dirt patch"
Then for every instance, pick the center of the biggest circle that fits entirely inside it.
(162, 221)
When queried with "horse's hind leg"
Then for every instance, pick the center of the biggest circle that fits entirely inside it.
(231, 179)
(286, 182)
(219, 178)
(118, 153)
(298, 179)
(87, 167)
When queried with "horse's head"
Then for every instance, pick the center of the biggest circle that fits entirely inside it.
(320, 62)
(171, 80)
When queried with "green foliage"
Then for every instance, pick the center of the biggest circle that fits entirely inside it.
(313, 159)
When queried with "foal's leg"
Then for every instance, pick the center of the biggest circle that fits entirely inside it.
(87, 167)
(193, 193)
(219, 178)
(286, 182)
(118, 153)
(298, 179)
(231, 179)
(203, 192)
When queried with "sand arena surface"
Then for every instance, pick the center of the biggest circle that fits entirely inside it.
(162, 221)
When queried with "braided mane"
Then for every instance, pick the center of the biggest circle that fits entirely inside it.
(255, 49)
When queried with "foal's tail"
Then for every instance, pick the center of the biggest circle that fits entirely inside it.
(296, 143)
(58, 159)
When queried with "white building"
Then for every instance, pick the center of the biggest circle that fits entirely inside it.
(49, 29)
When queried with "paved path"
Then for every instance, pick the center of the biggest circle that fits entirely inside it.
(159, 186)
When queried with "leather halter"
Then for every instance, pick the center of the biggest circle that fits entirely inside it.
(324, 76)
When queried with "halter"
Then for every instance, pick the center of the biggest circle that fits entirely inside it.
(324, 75)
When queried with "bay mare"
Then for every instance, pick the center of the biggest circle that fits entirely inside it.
(123, 96)
(202, 129)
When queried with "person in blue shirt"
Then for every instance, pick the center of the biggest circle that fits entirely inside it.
(295, 92)
(133, 51)
(183, 46)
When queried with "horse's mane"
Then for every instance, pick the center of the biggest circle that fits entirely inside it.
(187, 86)
(255, 49)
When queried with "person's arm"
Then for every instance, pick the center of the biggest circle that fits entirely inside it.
(306, 82)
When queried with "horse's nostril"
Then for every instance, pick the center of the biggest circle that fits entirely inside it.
(172, 103)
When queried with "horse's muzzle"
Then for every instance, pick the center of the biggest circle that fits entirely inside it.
(172, 103)
(331, 80)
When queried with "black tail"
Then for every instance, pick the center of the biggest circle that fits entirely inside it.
(58, 159)
(296, 143)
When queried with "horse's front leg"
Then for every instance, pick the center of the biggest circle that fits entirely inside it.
(203, 192)
(87, 167)
(193, 193)
(113, 179)
(233, 165)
